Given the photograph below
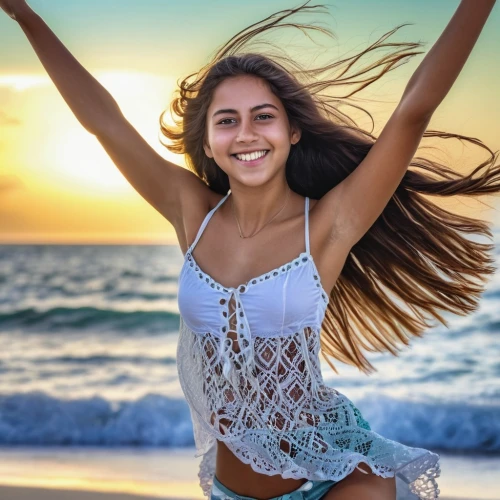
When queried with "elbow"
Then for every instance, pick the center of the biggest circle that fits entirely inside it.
(416, 114)
(415, 108)
(105, 123)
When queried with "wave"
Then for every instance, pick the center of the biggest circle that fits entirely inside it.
(83, 318)
(36, 418)
(104, 360)
(66, 291)
(457, 426)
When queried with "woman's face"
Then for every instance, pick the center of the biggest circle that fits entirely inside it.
(248, 132)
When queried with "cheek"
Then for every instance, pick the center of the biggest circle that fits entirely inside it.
(221, 140)
(279, 136)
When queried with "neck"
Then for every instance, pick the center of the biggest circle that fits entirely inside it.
(255, 206)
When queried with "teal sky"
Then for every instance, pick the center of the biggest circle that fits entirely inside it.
(114, 33)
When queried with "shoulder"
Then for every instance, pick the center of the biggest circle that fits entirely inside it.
(196, 201)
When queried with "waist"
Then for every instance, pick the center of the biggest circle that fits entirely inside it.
(243, 480)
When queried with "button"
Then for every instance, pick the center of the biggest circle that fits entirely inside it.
(306, 486)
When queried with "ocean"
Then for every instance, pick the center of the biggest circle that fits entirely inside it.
(88, 338)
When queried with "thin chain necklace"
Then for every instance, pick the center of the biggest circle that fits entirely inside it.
(268, 222)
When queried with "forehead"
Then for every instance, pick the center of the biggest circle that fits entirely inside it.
(242, 93)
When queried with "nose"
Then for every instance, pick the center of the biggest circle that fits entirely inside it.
(246, 132)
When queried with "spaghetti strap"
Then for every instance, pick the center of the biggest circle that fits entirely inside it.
(205, 222)
(307, 225)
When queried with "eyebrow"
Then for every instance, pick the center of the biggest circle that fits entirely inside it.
(255, 108)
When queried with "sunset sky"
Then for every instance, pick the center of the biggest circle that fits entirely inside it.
(58, 185)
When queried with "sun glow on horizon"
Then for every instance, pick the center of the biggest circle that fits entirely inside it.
(83, 164)
(66, 154)
(69, 189)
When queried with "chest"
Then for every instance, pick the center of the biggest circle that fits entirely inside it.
(277, 302)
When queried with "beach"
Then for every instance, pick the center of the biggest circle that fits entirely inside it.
(107, 391)
(9, 493)
(90, 401)
(20, 493)
(128, 474)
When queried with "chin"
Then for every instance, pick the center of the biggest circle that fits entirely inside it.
(255, 178)
(253, 181)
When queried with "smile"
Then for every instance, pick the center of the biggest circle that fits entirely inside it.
(255, 155)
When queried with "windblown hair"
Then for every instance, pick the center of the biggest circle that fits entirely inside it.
(415, 260)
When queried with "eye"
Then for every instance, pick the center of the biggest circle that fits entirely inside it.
(225, 120)
(261, 117)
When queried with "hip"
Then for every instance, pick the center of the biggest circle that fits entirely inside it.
(236, 480)
(309, 490)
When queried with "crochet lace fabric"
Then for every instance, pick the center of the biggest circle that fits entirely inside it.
(275, 413)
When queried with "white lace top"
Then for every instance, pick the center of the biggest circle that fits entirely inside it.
(248, 363)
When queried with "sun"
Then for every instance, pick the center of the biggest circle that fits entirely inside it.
(82, 162)
(77, 157)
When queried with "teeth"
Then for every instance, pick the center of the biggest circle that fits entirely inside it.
(251, 156)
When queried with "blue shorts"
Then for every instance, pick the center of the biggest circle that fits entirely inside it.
(311, 490)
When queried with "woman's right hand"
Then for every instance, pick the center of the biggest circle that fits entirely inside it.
(12, 7)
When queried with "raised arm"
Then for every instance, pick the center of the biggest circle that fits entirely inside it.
(163, 184)
(359, 200)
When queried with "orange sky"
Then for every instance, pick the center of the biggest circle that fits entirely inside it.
(58, 185)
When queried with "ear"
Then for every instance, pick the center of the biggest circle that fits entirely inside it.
(295, 135)
(208, 150)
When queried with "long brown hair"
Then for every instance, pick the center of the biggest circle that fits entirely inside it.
(415, 260)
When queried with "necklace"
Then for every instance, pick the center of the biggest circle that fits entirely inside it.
(268, 222)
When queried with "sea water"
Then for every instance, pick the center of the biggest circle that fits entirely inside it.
(88, 338)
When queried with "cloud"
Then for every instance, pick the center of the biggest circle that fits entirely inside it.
(23, 82)
(6, 120)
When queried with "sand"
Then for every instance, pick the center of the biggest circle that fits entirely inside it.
(22, 493)
(121, 474)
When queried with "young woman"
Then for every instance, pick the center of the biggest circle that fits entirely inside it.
(297, 226)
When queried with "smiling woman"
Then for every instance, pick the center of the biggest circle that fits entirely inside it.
(341, 252)
(370, 230)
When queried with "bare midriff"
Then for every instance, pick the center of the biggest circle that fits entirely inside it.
(243, 480)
